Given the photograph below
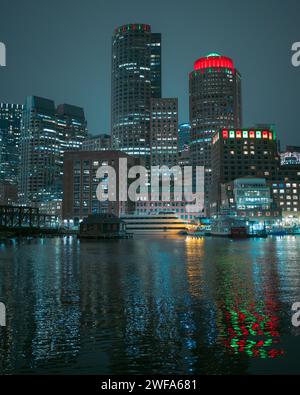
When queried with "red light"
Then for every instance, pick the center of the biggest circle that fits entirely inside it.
(225, 134)
(265, 135)
(219, 62)
(270, 136)
(238, 134)
(252, 134)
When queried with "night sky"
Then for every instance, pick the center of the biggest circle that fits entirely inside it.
(61, 49)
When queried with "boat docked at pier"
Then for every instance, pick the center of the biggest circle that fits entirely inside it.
(167, 222)
(226, 226)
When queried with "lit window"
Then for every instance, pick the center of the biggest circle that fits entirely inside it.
(265, 135)
(225, 134)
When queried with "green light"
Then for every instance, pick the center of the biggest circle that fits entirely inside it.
(245, 134)
(213, 54)
(258, 134)
(232, 134)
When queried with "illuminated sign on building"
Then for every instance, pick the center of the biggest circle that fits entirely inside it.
(245, 134)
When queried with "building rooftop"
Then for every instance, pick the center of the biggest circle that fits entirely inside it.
(214, 60)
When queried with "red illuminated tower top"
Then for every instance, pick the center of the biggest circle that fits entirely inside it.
(214, 60)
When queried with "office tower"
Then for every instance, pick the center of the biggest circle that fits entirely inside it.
(184, 137)
(101, 142)
(10, 127)
(155, 65)
(242, 153)
(80, 184)
(164, 132)
(72, 126)
(136, 77)
(46, 133)
(215, 103)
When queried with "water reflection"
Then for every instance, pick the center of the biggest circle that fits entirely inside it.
(149, 305)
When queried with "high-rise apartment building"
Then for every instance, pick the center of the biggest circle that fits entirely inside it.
(136, 77)
(164, 132)
(10, 128)
(215, 103)
(46, 133)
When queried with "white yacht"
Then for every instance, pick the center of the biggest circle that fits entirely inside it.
(161, 222)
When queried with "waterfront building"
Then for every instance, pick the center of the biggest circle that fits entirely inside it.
(136, 77)
(287, 197)
(101, 142)
(291, 156)
(238, 153)
(250, 198)
(10, 129)
(80, 185)
(102, 226)
(215, 102)
(51, 207)
(46, 133)
(164, 132)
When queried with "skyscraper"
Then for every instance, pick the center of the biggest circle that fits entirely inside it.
(164, 132)
(136, 77)
(100, 142)
(155, 65)
(184, 137)
(10, 127)
(215, 103)
(46, 133)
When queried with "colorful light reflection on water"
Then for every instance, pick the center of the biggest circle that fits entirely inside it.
(153, 304)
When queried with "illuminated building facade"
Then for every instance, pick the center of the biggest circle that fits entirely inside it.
(184, 137)
(71, 126)
(215, 103)
(287, 196)
(46, 133)
(10, 128)
(250, 198)
(101, 142)
(136, 77)
(291, 156)
(164, 132)
(80, 185)
(239, 153)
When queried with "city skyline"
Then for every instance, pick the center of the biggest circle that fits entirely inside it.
(263, 80)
